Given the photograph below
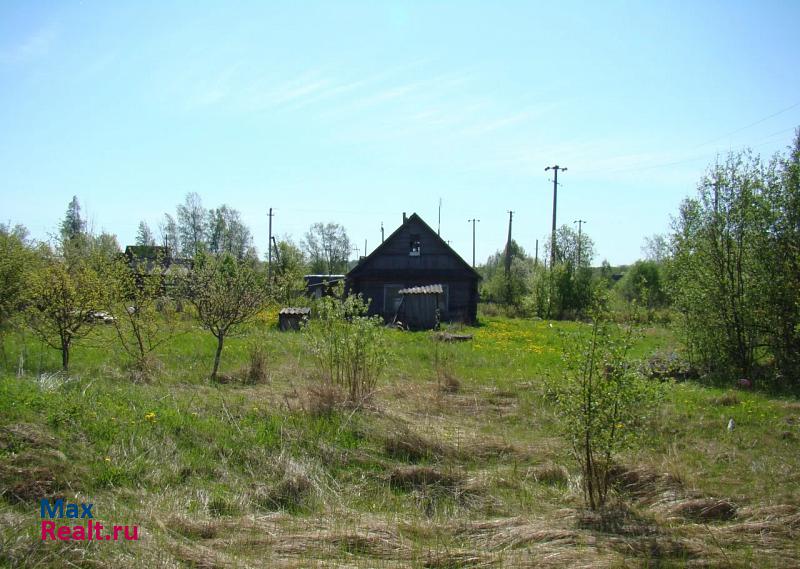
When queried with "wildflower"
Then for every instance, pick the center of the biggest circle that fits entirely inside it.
(150, 417)
(107, 459)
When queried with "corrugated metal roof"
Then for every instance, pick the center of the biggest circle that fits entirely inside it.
(429, 289)
(295, 310)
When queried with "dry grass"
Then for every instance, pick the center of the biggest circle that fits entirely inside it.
(704, 509)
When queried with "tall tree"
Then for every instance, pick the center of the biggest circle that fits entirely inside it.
(192, 225)
(73, 224)
(144, 236)
(168, 231)
(228, 234)
(328, 248)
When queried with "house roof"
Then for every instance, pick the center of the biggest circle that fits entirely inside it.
(302, 311)
(413, 217)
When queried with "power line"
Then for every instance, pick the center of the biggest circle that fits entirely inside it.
(759, 121)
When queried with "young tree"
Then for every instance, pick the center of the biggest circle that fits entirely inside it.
(327, 247)
(511, 288)
(62, 299)
(144, 236)
(348, 347)
(227, 294)
(192, 225)
(602, 403)
(143, 316)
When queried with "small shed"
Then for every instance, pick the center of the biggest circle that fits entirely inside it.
(291, 318)
(420, 306)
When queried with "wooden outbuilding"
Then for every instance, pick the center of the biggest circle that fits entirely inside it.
(411, 257)
(292, 318)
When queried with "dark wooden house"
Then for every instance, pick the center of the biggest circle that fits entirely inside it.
(415, 256)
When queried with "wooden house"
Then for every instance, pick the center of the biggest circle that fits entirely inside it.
(415, 256)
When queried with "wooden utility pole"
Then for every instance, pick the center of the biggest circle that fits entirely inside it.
(580, 222)
(555, 169)
(439, 226)
(508, 245)
(473, 220)
(269, 255)
(365, 247)
(381, 232)
(536, 259)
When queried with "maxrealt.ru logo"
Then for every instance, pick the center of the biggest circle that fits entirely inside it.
(90, 531)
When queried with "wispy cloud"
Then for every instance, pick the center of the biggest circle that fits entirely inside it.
(37, 44)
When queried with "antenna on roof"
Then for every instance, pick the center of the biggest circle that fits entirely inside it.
(439, 226)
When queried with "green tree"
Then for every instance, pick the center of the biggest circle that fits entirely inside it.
(143, 316)
(327, 247)
(602, 404)
(349, 347)
(643, 283)
(228, 234)
(718, 239)
(144, 236)
(15, 258)
(288, 268)
(192, 225)
(507, 288)
(62, 300)
(227, 294)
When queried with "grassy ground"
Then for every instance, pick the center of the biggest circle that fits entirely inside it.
(452, 465)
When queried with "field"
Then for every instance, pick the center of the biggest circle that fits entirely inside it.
(457, 462)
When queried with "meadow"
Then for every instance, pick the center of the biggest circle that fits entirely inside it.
(456, 461)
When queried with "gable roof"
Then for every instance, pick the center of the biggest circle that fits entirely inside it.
(413, 217)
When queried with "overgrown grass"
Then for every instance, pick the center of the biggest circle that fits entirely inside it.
(241, 474)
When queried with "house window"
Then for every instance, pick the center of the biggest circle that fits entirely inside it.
(414, 246)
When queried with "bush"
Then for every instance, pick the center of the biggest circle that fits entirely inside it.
(348, 346)
(602, 402)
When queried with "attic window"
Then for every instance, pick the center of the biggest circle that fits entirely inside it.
(414, 246)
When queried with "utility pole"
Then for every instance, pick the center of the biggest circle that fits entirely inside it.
(508, 245)
(365, 247)
(473, 220)
(439, 226)
(536, 259)
(269, 255)
(381, 232)
(580, 222)
(555, 168)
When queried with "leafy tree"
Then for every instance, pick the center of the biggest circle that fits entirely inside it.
(168, 231)
(643, 283)
(349, 347)
(328, 248)
(228, 234)
(144, 236)
(656, 248)
(602, 403)
(288, 268)
(143, 316)
(62, 299)
(714, 274)
(227, 294)
(511, 288)
(15, 258)
(192, 225)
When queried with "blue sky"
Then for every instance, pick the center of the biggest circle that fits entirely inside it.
(355, 112)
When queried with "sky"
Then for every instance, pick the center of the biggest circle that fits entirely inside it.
(355, 112)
